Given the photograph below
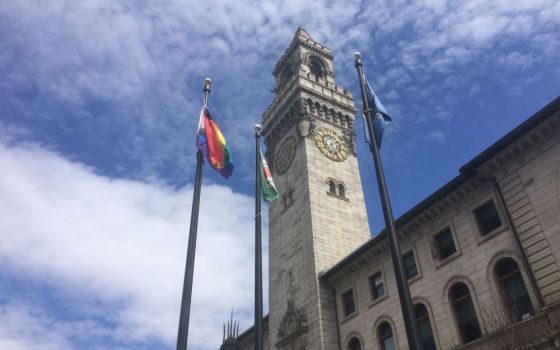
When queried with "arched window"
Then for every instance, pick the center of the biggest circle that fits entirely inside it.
(290, 196)
(316, 67)
(319, 109)
(385, 335)
(341, 118)
(512, 289)
(424, 327)
(310, 106)
(341, 190)
(463, 309)
(354, 344)
(334, 116)
(332, 187)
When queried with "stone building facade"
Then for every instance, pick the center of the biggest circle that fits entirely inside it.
(481, 252)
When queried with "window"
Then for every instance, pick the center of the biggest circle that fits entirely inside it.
(341, 118)
(336, 189)
(349, 307)
(512, 289)
(444, 244)
(316, 67)
(463, 310)
(341, 190)
(487, 218)
(354, 344)
(377, 285)
(287, 199)
(332, 187)
(424, 327)
(385, 335)
(409, 263)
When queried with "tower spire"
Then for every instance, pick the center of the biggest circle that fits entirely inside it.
(230, 334)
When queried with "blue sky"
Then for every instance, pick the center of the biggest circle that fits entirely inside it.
(99, 104)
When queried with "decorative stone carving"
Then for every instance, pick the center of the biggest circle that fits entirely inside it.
(306, 126)
(349, 136)
(285, 155)
(292, 112)
(292, 333)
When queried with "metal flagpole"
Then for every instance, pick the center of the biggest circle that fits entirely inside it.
(402, 284)
(258, 245)
(183, 333)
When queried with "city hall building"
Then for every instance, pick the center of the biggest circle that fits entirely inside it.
(481, 253)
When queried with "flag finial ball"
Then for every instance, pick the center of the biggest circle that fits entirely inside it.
(357, 55)
(207, 81)
(258, 127)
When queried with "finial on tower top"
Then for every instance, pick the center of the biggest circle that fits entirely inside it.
(207, 81)
(357, 55)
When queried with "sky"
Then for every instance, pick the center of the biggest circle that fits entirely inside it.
(99, 102)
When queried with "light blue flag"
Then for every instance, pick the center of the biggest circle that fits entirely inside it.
(381, 118)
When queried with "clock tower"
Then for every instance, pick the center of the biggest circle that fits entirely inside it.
(320, 216)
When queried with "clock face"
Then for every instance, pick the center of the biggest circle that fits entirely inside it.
(285, 155)
(331, 145)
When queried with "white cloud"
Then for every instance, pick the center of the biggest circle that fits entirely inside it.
(23, 329)
(437, 136)
(122, 242)
(147, 60)
(517, 60)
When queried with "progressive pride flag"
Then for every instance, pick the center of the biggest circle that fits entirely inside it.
(212, 144)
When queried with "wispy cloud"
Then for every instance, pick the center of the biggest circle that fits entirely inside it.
(437, 136)
(22, 327)
(114, 87)
(118, 243)
(122, 80)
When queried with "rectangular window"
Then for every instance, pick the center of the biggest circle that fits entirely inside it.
(409, 265)
(444, 244)
(349, 307)
(487, 217)
(377, 286)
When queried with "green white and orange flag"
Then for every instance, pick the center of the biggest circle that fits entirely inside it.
(269, 190)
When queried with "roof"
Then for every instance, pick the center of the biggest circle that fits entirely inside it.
(464, 175)
(251, 329)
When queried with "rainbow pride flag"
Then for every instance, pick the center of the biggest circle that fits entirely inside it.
(212, 144)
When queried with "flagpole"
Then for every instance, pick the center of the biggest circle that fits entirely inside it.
(183, 333)
(402, 283)
(258, 245)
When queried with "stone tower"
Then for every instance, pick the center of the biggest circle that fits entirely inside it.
(320, 216)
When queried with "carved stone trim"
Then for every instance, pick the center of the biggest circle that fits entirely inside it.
(293, 328)
(285, 155)
(349, 136)
(306, 126)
